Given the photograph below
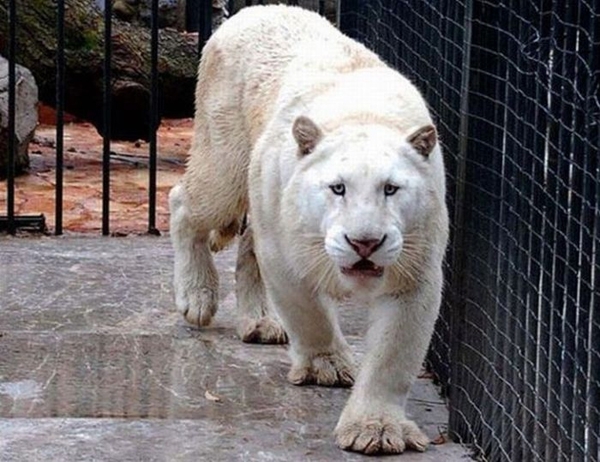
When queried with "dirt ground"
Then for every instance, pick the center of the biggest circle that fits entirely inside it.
(82, 209)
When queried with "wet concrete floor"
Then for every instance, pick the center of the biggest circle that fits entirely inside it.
(95, 364)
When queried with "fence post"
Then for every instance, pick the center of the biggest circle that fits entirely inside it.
(106, 125)
(154, 121)
(478, 191)
(198, 15)
(60, 105)
(457, 302)
(12, 52)
(205, 23)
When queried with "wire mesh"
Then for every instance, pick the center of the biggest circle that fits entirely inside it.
(514, 88)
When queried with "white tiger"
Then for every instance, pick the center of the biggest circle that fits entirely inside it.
(336, 160)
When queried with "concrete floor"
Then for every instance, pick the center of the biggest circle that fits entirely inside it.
(95, 364)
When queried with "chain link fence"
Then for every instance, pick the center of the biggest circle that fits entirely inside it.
(515, 88)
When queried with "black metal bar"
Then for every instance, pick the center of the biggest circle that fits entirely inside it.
(106, 133)
(322, 7)
(451, 31)
(593, 332)
(542, 121)
(477, 235)
(154, 110)
(556, 238)
(60, 102)
(456, 424)
(516, 254)
(12, 81)
(518, 143)
(581, 222)
(204, 24)
(569, 204)
(500, 240)
(532, 419)
(191, 15)
(592, 220)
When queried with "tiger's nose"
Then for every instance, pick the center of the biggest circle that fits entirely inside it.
(365, 247)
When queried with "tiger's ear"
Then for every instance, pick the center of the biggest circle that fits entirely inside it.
(307, 134)
(424, 140)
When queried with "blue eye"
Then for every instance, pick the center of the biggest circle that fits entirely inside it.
(390, 189)
(338, 189)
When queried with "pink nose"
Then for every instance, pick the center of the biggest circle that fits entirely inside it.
(365, 247)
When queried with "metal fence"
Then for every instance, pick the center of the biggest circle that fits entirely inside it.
(515, 88)
(198, 19)
(11, 221)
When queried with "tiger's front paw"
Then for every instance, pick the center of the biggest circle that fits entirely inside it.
(384, 434)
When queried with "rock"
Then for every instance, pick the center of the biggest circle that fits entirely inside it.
(26, 116)
(84, 59)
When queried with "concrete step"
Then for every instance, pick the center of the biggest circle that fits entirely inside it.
(96, 364)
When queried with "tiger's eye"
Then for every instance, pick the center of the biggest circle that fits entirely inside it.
(390, 189)
(338, 189)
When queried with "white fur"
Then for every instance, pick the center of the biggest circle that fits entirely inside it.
(260, 71)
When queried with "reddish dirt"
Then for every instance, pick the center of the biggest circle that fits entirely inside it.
(82, 193)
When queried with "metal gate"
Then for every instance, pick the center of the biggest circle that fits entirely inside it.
(198, 18)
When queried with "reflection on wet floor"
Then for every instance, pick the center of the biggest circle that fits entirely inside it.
(96, 364)
(146, 376)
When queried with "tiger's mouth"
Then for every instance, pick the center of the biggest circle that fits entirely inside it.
(363, 268)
